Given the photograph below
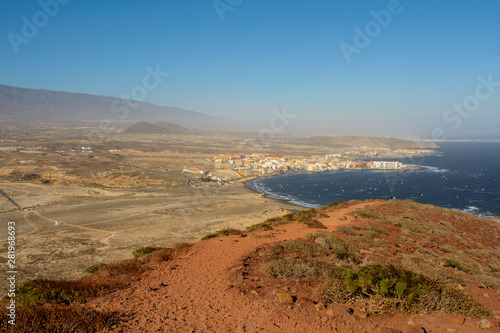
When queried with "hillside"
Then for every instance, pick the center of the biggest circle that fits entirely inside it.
(359, 141)
(21, 104)
(374, 266)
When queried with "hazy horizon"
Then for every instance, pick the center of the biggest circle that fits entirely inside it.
(388, 68)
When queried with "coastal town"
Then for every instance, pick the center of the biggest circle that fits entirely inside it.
(235, 166)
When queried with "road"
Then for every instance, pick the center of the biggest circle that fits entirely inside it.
(11, 200)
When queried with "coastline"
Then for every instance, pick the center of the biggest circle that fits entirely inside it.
(291, 201)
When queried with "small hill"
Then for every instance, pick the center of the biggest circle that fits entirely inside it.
(359, 141)
(372, 266)
(156, 128)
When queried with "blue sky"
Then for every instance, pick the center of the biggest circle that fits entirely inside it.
(265, 55)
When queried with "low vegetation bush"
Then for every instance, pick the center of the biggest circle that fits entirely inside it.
(427, 252)
(429, 268)
(333, 291)
(348, 230)
(372, 227)
(346, 256)
(441, 231)
(363, 212)
(489, 281)
(452, 263)
(371, 234)
(330, 241)
(417, 293)
(223, 232)
(447, 224)
(388, 281)
(393, 202)
(55, 292)
(58, 319)
(309, 214)
(338, 205)
(102, 279)
(408, 226)
(311, 223)
(300, 245)
(141, 252)
(447, 248)
(91, 270)
(302, 268)
(410, 204)
(268, 224)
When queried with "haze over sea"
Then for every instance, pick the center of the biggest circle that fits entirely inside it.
(464, 176)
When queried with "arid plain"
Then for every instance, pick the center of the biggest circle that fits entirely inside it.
(90, 202)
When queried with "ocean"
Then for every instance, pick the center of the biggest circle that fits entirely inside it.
(463, 176)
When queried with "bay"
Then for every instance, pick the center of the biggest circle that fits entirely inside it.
(463, 176)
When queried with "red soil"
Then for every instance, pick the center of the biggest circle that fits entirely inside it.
(196, 292)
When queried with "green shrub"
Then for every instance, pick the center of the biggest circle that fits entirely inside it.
(420, 294)
(91, 270)
(452, 263)
(223, 232)
(208, 236)
(388, 281)
(41, 291)
(138, 253)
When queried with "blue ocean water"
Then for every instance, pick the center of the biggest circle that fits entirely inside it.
(464, 176)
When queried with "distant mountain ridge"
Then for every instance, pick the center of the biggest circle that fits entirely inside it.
(157, 128)
(358, 141)
(47, 105)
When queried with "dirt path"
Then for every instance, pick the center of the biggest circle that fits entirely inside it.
(194, 293)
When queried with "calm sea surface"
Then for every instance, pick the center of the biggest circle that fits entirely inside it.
(464, 176)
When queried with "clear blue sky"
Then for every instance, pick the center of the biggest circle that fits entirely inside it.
(270, 54)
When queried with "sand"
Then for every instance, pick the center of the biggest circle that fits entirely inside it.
(68, 229)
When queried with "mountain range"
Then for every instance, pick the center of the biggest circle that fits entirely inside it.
(22, 104)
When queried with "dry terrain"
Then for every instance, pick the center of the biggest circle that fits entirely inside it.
(376, 266)
(74, 228)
